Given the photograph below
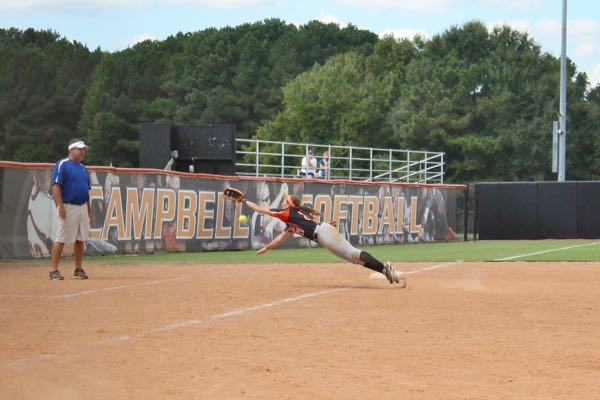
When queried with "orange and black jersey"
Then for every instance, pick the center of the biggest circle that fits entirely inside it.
(296, 222)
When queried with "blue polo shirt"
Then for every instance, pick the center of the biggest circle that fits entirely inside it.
(74, 181)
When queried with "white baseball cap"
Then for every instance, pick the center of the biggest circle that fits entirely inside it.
(78, 143)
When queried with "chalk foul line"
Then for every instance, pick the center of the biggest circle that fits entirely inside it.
(546, 251)
(185, 324)
(244, 310)
(203, 320)
(88, 292)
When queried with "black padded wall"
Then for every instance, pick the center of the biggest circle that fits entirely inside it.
(588, 209)
(517, 210)
(558, 209)
(538, 210)
(487, 210)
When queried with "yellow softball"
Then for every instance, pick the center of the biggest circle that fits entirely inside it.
(243, 219)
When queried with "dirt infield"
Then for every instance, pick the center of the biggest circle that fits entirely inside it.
(459, 331)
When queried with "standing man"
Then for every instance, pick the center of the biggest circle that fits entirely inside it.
(71, 190)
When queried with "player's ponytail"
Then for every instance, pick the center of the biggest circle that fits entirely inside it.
(294, 201)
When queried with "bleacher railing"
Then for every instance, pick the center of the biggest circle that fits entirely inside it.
(283, 159)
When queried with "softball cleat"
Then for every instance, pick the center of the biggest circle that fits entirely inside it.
(390, 273)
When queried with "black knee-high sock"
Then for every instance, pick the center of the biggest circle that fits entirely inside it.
(371, 262)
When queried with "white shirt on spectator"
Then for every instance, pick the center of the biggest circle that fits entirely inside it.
(309, 165)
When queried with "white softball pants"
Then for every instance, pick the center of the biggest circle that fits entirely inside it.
(329, 238)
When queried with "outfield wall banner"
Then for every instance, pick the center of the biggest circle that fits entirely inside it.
(144, 211)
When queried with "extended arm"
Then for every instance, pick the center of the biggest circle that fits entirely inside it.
(283, 236)
(257, 208)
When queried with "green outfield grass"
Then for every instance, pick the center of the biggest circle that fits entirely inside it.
(486, 250)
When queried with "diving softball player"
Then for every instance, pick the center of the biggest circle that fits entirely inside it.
(299, 220)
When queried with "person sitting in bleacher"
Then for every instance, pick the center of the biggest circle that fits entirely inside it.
(309, 165)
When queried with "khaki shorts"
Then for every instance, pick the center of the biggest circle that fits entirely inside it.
(76, 225)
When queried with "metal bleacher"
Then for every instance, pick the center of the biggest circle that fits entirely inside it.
(282, 159)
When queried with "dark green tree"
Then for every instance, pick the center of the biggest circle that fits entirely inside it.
(337, 103)
(583, 132)
(487, 99)
(43, 82)
(229, 75)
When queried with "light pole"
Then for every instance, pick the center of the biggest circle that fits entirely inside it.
(562, 133)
